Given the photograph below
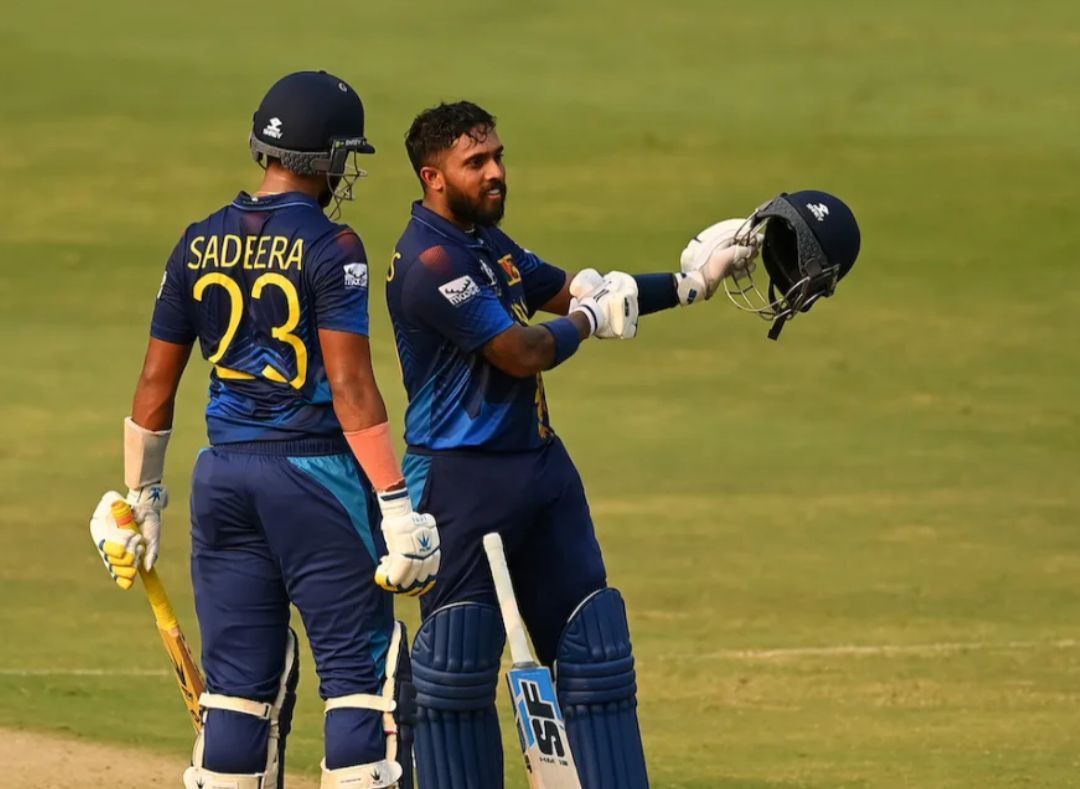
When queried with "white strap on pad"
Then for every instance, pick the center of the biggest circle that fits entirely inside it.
(377, 775)
(383, 702)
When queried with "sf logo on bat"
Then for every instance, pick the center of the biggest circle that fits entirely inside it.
(540, 715)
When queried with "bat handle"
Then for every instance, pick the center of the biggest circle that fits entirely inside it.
(504, 590)
(164, 614)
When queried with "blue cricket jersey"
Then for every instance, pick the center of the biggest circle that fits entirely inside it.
(254, 282)
(449, 292)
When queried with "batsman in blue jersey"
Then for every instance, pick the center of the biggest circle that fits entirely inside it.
(287, 500)
(483, 457)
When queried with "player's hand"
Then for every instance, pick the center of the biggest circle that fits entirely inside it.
(147, 503)
(610, 302)
(412, 540)
(120, 549)
(712, 255)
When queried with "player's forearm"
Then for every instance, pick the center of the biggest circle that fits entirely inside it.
(155, 393)
(524, 351)
(357, 402)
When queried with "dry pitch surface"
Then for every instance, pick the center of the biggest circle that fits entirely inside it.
(43, 761)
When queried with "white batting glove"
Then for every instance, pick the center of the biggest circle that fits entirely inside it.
(147, 503)
(712, 255)
(120, 549)
(412, 539)
(610, 302)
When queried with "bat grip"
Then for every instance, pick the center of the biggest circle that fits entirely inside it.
(164, 614)
(504, 590)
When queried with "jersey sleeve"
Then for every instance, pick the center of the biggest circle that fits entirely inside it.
(541, 280)
(339, 284)
(172, 319)
(441, 294)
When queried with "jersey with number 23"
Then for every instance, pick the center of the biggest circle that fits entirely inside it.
(254, 283)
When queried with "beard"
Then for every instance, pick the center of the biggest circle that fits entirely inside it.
(476, 210)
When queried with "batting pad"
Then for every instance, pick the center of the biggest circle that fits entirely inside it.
(455, 664)
(597, 687)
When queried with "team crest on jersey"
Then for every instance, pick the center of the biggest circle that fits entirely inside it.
(355, 275)
(513, 276)
(460, 290)
(489, 274)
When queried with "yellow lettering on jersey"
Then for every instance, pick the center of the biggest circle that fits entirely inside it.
(196, 251)
(277, 252)
(210, 256)
(260, 252)
(230, 251)
(520, 313)
(296, 254)
(249, 249)
(284, 331)
(541, 408)
(236, 308)
(228, 374)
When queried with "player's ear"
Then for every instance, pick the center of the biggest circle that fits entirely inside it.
(432, 178)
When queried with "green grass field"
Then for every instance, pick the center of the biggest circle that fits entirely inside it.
(898, 473)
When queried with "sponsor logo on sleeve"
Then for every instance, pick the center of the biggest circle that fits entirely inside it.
(355, 275)
(460, 290)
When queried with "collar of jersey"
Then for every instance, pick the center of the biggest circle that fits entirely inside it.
(246, 202)
(444, 227)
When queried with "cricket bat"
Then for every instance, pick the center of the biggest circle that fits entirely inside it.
(540, 725)
(188, 676)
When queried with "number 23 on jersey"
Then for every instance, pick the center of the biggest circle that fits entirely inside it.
(282, 333)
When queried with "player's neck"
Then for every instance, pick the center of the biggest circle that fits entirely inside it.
(277, 180)
(440, 208)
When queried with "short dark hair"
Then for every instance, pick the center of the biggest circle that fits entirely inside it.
(436, 128)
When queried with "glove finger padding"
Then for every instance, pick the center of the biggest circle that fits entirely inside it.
(120, 549)
(621, 305)
(396, 572)
(585, 282)
(701, 247)
(146, 505)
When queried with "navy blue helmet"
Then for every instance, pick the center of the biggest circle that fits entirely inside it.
(811, 241)
(313, 123)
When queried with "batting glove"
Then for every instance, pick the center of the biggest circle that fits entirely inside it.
(120, 549)
(412, 542)
(610, 302)
(712, 255)
(147, 503)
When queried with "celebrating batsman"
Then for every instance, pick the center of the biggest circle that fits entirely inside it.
(300, 465)
(483, 456)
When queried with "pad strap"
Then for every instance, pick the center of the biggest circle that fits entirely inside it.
(257, 709)
(201, 778)
(361, 701)
(383, 774)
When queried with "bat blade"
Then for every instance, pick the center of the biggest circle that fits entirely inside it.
(188, 677)
(185, 669)
(541, 729)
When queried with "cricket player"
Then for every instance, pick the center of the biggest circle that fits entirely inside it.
(483, 456)
(300, 467)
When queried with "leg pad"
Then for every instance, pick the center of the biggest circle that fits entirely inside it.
(597, 687)
(455, 661)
